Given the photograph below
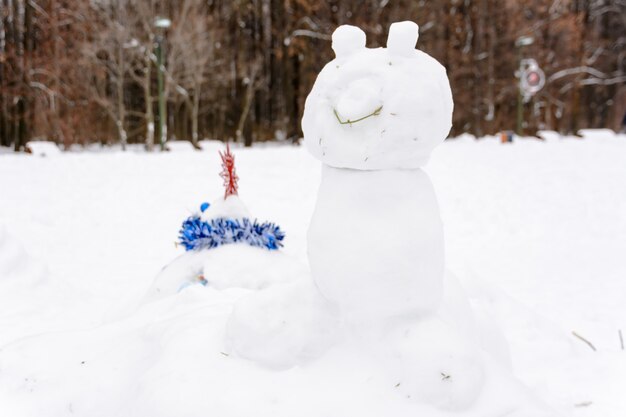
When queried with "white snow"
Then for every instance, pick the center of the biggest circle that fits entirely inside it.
(432, 364)
(347, 40)
(283, 326)
(43, 149)
(376, 242)
(222, 268)
(378, 108)
(232, 207)
(402, 38)
(534, 230)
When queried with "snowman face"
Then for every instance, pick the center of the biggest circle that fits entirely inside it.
(383, 108)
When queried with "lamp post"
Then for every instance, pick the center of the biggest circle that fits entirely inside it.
(161, 24)
(521, 42)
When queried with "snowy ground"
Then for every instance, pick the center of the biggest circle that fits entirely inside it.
(541, 224)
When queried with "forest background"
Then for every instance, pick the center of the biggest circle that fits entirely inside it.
(108, 71)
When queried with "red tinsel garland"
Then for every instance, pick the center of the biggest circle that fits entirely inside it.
(228, 172)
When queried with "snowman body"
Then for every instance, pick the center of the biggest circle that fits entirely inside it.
(376, 249)
(373, 116)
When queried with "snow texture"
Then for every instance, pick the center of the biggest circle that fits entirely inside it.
(18, 271)
(433, 363)
(222, 268)
(534, 231)
(43, 149)
(230, 208)
(281, 327)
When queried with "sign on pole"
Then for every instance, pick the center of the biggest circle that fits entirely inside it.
(531, 78)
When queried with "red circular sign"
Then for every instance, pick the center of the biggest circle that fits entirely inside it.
(533, 78)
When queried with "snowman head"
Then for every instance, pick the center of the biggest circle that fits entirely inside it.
(383, 108)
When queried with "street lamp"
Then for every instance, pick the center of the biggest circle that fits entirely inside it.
(521, 42)
(161, 24)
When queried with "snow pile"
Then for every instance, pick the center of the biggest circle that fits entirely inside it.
(282, 327)
(19, 273)
(43, 149)
(433, 363)
(29, 299)
(224, 267)
(15, 264)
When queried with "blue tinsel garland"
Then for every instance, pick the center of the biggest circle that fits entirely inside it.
(196, 233)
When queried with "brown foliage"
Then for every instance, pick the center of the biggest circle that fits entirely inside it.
(80, 72)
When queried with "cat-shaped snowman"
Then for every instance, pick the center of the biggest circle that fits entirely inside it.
(375, 241)
(373, 117)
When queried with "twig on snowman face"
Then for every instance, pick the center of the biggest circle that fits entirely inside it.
(350, 122)
(584, 340)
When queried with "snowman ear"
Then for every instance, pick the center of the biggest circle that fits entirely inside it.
(347, 40)
(402, 37)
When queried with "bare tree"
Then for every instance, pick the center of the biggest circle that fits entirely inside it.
(242, 69)
(190, 57)
(108, 55)
(142, 58)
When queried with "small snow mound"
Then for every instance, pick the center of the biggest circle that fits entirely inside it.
(179, 146)
(597, 134)
(16, 266)
(213, 145)
(222, 268)
(549, 135)
(432, 363)
(282, 326)
(262, 268)
(42, 148)
(465, 137)
(24, 284)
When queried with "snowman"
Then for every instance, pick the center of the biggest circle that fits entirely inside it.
(374, 115)
(375, 242)
(225, 247)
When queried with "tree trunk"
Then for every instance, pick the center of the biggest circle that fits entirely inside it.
(148, 103)
(121, 109)
(194, 118)
(57, 132)
(245, 109)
